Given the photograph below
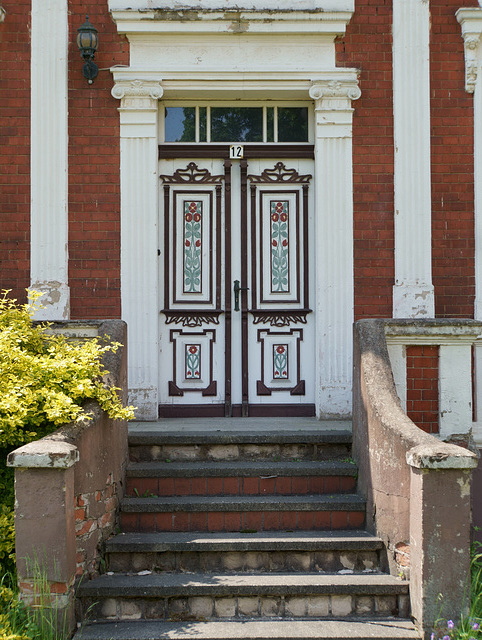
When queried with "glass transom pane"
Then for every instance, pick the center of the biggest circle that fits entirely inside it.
(236, 124)
(180, 124)
(293, 124)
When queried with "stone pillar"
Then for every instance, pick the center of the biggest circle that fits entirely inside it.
(139, 238)
(45, 525)
(440, 523)
(49, 158)
(413, 293)
(334, 243)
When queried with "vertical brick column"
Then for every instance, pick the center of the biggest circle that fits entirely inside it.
(334, 241)
(471, 23)
(413, 293)
(49, 158)
(422, 386)
(139, 237)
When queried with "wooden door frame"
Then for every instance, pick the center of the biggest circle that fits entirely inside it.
(251, 151)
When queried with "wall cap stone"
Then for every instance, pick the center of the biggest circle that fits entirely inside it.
(44, 454)
(443, 456)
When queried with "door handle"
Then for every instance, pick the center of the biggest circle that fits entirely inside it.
(237, 289)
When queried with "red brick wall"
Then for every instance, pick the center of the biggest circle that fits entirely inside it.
(94, 202)
(452, 165)
(94, 185)
(15, 148)
(367, 46)
(422, 386)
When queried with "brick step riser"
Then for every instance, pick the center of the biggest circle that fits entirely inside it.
(237, 607)
(213, 452)
(236, 486)
(238, 521)
(246, 561)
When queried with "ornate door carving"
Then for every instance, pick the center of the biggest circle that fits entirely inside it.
(249, 222)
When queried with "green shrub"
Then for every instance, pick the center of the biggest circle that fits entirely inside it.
(44, 381)
(15, 621)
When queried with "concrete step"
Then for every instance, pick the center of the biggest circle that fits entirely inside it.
(246, 439)
(272, 551)
(240, 478)
(206, 596)
(357, 629)
(240, 513)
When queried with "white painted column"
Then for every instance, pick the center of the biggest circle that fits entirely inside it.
(334, 244)
(455, 387)
(139, 239)
(413, 293)
(49, 158)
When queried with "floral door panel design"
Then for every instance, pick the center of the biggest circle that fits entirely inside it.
(193, 246)
(280, 362)
(193, 272)
(280, 246)
(192, 362)
(281, 333)
(192, 354)
(192, 369)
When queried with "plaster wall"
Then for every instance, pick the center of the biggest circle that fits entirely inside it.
(232, 53)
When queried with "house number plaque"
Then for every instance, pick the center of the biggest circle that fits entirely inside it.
(236, 151)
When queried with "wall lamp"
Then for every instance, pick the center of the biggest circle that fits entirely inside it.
(87, 42)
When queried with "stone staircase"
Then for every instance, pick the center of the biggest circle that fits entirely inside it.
(243, 529)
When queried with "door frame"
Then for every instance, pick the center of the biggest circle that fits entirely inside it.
(332, 93)
(194, 151)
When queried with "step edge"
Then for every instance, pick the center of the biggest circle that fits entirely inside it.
(238, 469)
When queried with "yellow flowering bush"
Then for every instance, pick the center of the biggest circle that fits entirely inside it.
(44, 381)
(14, 620)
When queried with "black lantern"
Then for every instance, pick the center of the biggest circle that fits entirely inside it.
(87, 42)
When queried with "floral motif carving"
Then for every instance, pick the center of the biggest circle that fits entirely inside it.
(471, 42)
(335, 89)
(280, 318)
(191, 174)
(192, 318)
(280, 174)
(137, 88)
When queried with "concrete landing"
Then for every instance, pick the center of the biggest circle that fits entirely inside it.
(251, 425)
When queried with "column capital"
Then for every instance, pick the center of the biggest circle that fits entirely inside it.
(332, 95)
(137, 94)
(471, 23)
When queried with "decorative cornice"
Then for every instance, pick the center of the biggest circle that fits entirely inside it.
(137, 89)
(471, 22)
(334, 89)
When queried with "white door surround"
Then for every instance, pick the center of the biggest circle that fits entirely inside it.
(289, 56)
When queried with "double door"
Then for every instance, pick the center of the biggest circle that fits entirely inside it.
(237, 284)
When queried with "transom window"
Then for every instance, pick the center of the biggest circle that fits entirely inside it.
(280, 123)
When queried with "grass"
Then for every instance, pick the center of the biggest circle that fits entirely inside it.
(42, 619)
(469, 626)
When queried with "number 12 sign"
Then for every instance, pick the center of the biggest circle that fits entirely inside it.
(236, 151)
